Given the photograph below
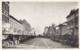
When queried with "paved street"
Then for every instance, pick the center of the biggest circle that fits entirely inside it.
(41, 43)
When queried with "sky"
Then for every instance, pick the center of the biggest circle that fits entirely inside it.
(42, 14)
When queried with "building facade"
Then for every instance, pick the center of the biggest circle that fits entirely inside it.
(73, 27)
(5, 12)
(5, 16)
(27, 26)
(45, 31)
(72, 21)
(50, 31)
(13, 31)
(61, 29)
(64, 29)
(32, 32)
(11, 24)
(15, 26)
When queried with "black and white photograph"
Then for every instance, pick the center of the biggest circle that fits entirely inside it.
(40, 25)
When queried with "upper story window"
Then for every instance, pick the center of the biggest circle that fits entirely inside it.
(5, 19)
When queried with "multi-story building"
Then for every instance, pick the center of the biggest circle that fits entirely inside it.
(61, 29)
(26, 25)
(13, 31)
(5, 12)
(72, 21)
(5, 15)
(73, 27)
(16, 26)
(50, 31)
(64, 29)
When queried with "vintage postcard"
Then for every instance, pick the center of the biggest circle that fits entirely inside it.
(40, 25)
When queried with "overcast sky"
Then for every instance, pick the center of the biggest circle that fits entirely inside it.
(42, 14)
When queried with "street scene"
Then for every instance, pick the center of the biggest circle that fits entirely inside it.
(40, 25)
(40, 43)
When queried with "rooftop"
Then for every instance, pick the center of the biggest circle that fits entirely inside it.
(15, 19)
(73, 12)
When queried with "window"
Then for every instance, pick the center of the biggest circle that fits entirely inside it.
(3, 5)
(5, 19)
(7, 8)
(76, 20)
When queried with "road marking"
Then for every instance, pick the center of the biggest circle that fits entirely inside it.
(45, 44)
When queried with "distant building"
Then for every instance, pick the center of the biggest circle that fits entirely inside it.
(45, 31)
(53, 29)
(72, 21)
(62, 29)
(26, 25)
(50, 31)
(32, 32)
(57, 31)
